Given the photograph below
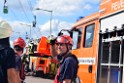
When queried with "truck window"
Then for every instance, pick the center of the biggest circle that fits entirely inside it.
(89, 33)
(77, 34)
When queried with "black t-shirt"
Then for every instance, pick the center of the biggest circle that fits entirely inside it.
(7, 61)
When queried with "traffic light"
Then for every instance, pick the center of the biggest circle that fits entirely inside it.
(27, 36)
(5, 9)
(34, 23)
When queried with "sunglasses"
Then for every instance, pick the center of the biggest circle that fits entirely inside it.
(60, 44)
(18, 49)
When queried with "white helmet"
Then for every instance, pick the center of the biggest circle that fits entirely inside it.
(5, 29)
(51, 37)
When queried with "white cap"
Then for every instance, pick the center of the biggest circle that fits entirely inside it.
(5, 29)
(51, 37)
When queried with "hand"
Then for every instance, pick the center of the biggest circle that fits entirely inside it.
(51, 40)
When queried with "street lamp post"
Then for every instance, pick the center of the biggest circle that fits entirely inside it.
(28, 26)
(50, 11)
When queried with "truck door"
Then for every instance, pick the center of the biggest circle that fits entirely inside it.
(111, 49)
(85, 49)
(112, 60)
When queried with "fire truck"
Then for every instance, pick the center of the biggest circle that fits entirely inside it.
(41, 63)
(99, 44)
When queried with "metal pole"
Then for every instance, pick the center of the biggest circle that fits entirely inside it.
(51, 23)
(29, 28)
(30, 32)
(50, 17)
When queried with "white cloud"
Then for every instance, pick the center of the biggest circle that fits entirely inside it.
(59, 7)
(56, 27)
(64, 25)
(64, 7)
(11, 43)
(20, 30)
(19, 5)
(93, 1)
(87, 6)
(1, 18)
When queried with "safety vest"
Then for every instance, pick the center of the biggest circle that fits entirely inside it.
(31, 48)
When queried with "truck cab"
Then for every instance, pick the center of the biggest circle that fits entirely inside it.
(99, 43)
(85, 36)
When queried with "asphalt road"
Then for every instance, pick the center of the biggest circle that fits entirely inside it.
(31, 79)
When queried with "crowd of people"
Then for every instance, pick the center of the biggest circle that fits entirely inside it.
(12, 63)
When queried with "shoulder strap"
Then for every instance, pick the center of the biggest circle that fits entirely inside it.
(74, 57)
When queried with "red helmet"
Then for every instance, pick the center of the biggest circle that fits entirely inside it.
(65, 39)
(19, 42)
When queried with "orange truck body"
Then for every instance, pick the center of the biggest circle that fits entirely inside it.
(41, 61)
(97, 59)
(43, 47)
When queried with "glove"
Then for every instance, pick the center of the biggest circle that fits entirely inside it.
(51, 40)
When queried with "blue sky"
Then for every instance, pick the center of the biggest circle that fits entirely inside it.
(65, 13)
